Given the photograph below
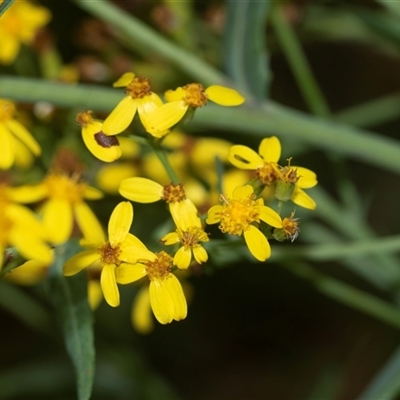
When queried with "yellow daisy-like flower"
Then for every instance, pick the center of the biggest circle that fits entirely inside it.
(186, 98)
(105, 148)
(108, 255)
(237, 216)
(64, 203)
(12, 135)
(189, 234)
(267, 170)
(165, 291)
(139, 98)
(145, 190)
(18, 25)
(20, 228)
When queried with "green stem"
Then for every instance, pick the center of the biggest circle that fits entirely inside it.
(141, 34)
(299, 64)
(268, 118)
(162, 156)
(347, 294)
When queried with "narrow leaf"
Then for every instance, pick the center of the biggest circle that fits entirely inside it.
(5, 5)
(69, 296)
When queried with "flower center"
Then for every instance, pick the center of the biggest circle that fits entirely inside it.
(84, 118)
(267, 174)
(173, 193)
(65, 188)
(7, 110)
(192, 236)
(291, 227)
(238, 214)
(138, 88)
(194, 95)
(160, 268)
(110, 254)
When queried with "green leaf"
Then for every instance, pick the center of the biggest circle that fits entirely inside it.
(386, 384)
(5, 5)
(69, 296)
(245, 51)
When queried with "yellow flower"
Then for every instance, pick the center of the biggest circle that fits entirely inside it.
(12, 135)
(139, 98)
(237, 216)
(105, 148)
(186, 98)
(165, 291)
(108, 255)
(145, 190)
(20, 228)
(268, 172)
(189, 234)
(18, 25)
(65, 202)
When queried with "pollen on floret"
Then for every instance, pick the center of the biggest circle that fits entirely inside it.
(291, 227)
(84, 118)
(160, 268)
(110, 254)
(195, 95)
(267, 174)
(174, 193)
(238, 214)
(192, 236)
(138, 88)
(64, 187)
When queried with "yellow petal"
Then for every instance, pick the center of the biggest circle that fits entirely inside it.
(89, 224)
(308, 178)
(170, 238)
(103, 147)
(91, 193)
(109, 177)
(128, 273)
(200, 254)
(80, 261)
(167, 300)
(141, 190)
(302, 199)
(7, 148)
(28, 193)
(257, 243)
(270, 216)
(23, 135)
(175, 95)
(124, 80)
(244, 158)
(9, 49)
(121, 117)
(184, 213)
(132, 241)
(214, 215)
(183, 257)
(224, 96)
(242, 192)
(141, 317)
(109, 285)
(146, 105)
(133, 254)
(120, 223)
(58, 220)
(165, 117)
(24, 218)
(29, 273)
(270, 149)
(95, 294)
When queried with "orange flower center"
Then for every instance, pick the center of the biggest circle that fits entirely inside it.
(267, 174)
(110, 254)
(64, 188)
(194, 95)
(138, 88)
(160, 268)
(7, 110)
(84, 118)
(291, 227)
(173, 193)
(192, 236)
(238, 214)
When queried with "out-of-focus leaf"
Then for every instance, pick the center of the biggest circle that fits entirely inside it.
(245, 52)
(3, 6)
(386, 384)
(69, 296)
